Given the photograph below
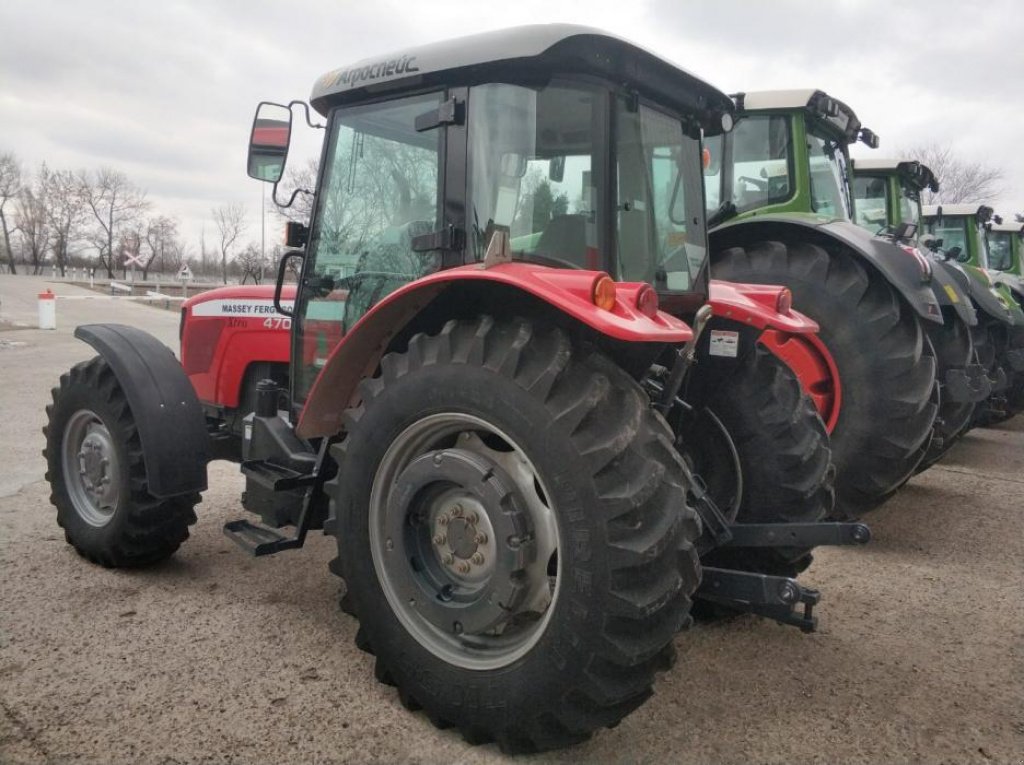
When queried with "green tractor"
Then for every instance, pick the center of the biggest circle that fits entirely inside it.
(780, 188)
(1005, 255)
(887, 201)
(959, 233)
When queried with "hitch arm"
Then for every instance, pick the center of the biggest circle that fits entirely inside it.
(797, 534)
(773, 597)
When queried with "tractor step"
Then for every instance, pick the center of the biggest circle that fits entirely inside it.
(773, 597)
(258, 540)
(275, 477)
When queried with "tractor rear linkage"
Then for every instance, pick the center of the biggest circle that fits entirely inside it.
(774, 597)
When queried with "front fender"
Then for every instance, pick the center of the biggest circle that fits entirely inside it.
(908, 273)
(164, 406)
(568, 290)
(755, 305)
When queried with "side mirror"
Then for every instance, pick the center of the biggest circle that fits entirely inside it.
(269, 141)
(556, 170)
(954, 253)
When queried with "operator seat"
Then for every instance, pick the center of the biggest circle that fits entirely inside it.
(565, 238)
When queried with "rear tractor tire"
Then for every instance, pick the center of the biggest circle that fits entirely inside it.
(886, 366)
(513, 530)
(98, 478)
(782, 459)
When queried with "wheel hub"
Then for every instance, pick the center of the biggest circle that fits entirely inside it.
(90, 468)
(463, 542)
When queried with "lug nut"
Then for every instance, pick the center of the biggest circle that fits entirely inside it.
(457, 511)
(477, 559)
(472, 518)
(480, 538)
(442, 520)
(463, 567)
(440, 539)
(448, 559)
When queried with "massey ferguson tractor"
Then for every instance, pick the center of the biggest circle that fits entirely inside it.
(780, 190)
(959, 233)
(492, 402)
(887, 201)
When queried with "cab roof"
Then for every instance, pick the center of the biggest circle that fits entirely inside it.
(818, 103)
(528, 54)
(916, 172)
(1012, 228)
(969, 210)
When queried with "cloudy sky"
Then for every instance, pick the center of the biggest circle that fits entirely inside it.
(164, 91)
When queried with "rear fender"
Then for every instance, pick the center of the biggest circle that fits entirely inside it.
(164, 406)
(755, 305)
(568, 291)
(909, 273)
(952, 290)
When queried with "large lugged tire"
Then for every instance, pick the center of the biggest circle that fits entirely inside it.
(98, 478)
(886, 367)
(536, 637)
(954, 349)
(783, 454)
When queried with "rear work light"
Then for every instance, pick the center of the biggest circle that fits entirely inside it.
(647, 301)
(603, 292)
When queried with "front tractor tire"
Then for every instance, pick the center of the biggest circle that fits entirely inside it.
(886, 365)
(514, 534)
(98, 478)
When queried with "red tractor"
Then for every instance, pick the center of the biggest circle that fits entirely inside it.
(526, 463)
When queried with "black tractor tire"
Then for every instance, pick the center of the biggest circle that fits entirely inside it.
(954, 349)
(993, 340)
(886, 366)
(626, 562)
(783, 454)
(127, 527)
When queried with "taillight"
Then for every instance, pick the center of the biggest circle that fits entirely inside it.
(784, 303)
(647, 301)
(603, 292)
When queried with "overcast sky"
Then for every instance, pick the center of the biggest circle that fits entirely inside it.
(165, 91)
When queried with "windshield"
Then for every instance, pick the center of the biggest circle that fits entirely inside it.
(532, 172)
(870, 203)
(953, 233)
(1000, 250)
(828, 174)
(761, 169)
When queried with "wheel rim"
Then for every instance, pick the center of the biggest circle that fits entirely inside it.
(91, 468)
(811, 362)
(464, 542)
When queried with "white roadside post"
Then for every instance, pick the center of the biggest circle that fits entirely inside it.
(47, 310)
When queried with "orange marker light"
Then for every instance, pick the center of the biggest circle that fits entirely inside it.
(705, 156)
(603, 293)
(647, 301)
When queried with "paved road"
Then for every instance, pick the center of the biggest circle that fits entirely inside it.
(215, 657)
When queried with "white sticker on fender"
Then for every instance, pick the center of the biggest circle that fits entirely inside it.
(724, 343)
(241, 307)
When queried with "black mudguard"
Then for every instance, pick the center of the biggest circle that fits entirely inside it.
(988, 303)
(167, 413)
(901, 269)
(952, 289)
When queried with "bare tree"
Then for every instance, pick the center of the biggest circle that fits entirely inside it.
(959, 180)
(252, 263)
(230, 220)
(159, 232)
(32, 223)
(10, 187)
(66, 212)
(116, 203)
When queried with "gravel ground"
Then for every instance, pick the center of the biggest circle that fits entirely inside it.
(217, 657)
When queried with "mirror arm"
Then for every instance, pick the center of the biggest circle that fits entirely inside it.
(305, 109)
(291, 199)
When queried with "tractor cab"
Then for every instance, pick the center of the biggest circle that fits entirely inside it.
(553, 146)
(887, 193)
(787, 153)
(1005, 242)
(961, 227)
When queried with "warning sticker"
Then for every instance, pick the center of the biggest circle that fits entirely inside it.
(724, 343)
